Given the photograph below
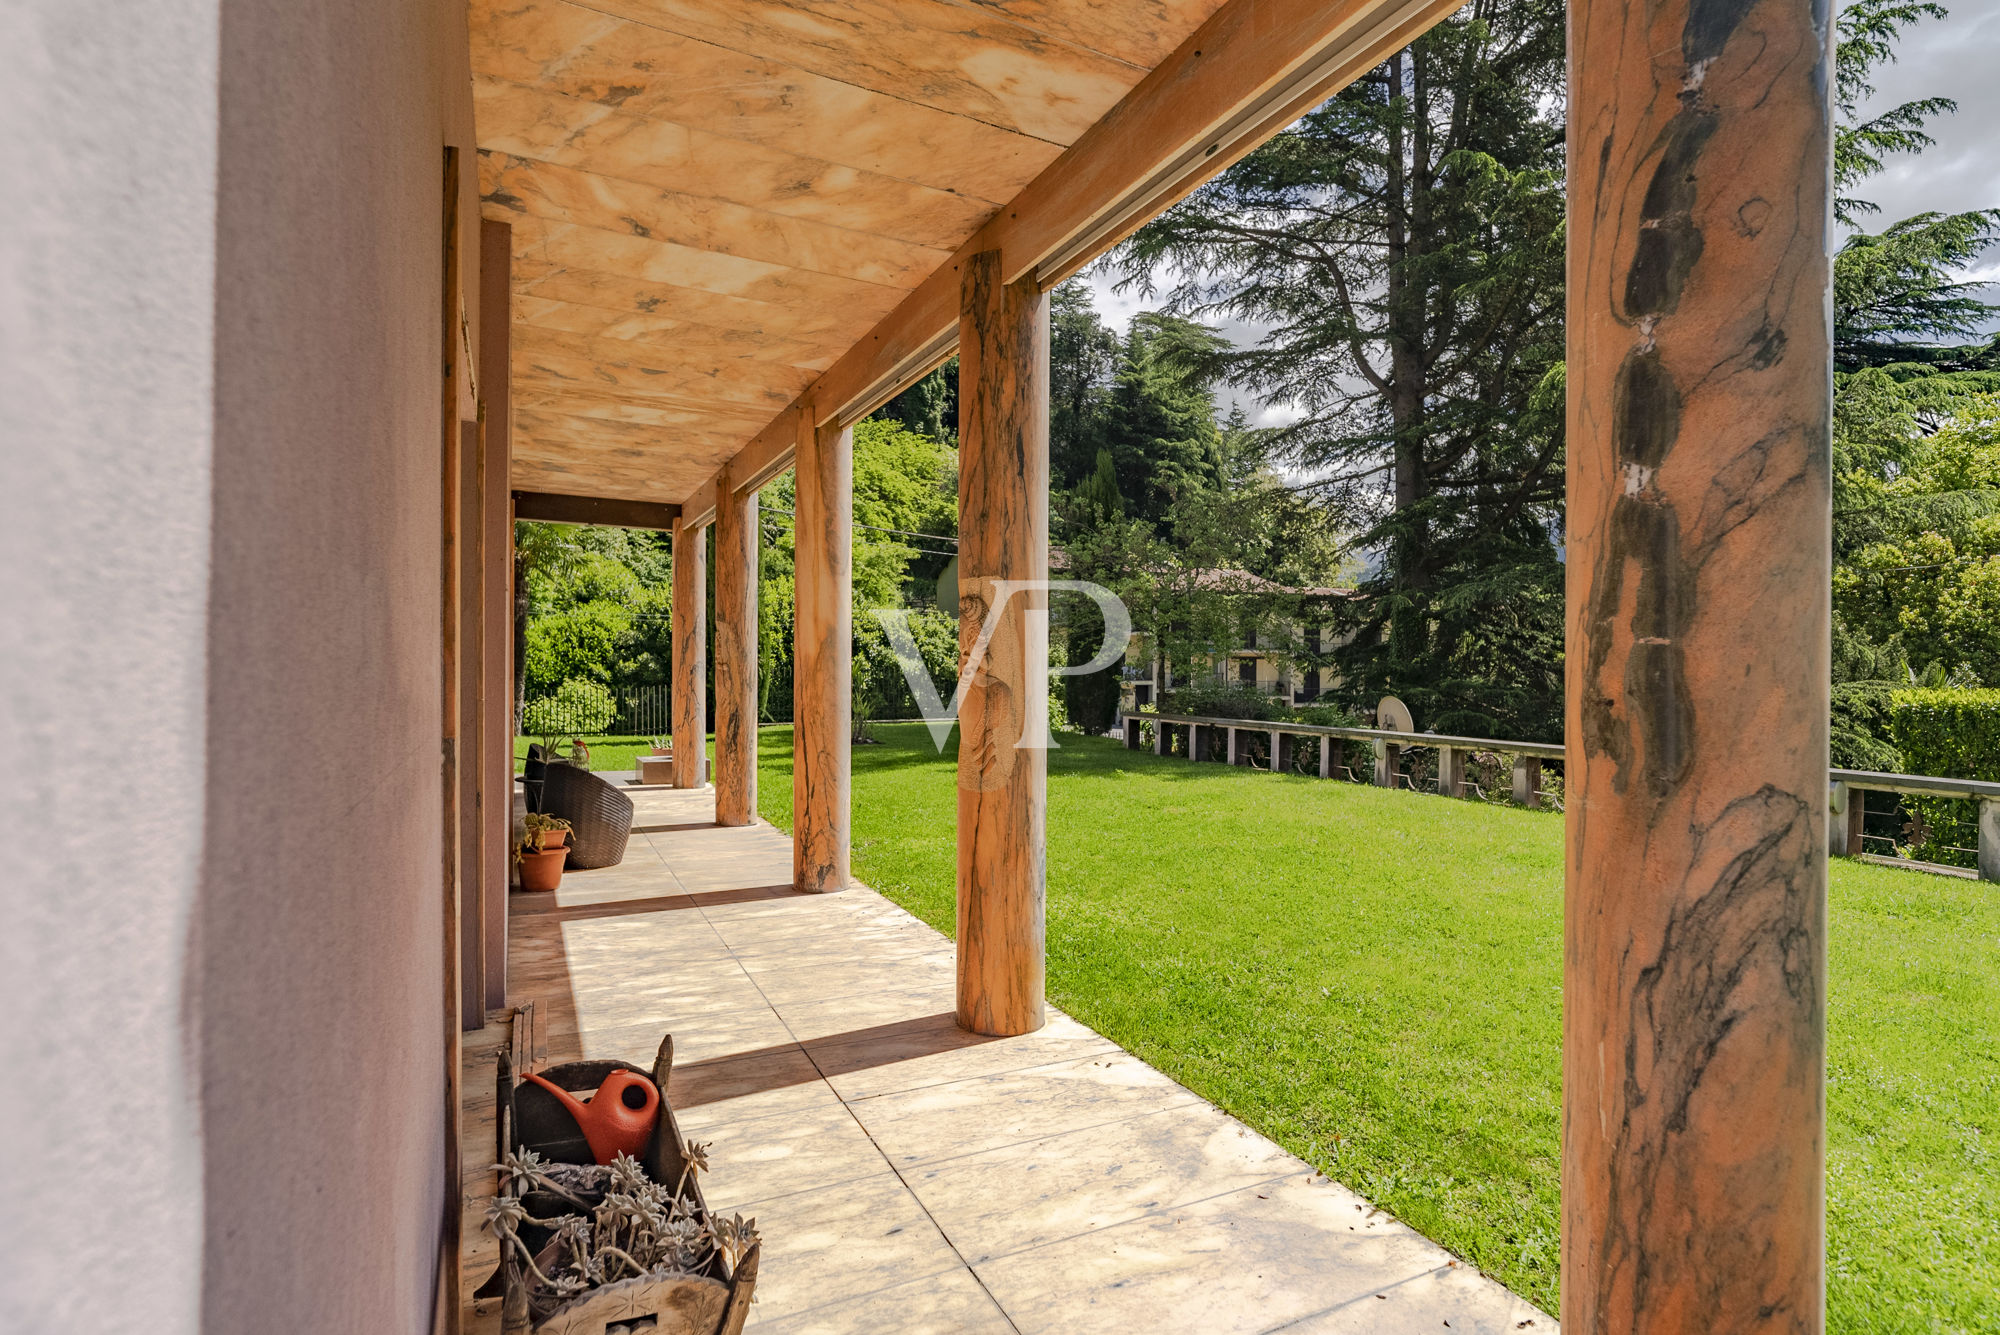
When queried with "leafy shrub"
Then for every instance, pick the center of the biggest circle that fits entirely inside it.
(880, 689)
(1860, 719)
(1954, 734)
(577, 708)
(1327, 716)
(1216, 700)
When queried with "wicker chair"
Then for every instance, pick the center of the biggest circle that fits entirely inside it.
(599, 815)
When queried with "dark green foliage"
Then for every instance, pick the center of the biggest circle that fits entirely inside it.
(1898, 289)
(596, 604)
(1916, 461)
(1896, 294)
(929, 407)
(1951, 733)
(1403, 245)
(1916, 526)
(1090, 699)
(1160, 417)
(1954, 734)
(1868, 32)
(601, 613)
(576, 708)
(1083, 360)
(1210, 699)
(881, 691)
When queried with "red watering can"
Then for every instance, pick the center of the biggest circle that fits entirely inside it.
(619, 1117)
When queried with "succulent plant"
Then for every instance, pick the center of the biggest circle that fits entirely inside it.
(633, 1227)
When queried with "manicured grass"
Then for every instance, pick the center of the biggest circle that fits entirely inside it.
(1373, 979)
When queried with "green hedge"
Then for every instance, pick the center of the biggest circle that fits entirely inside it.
(1954, 734)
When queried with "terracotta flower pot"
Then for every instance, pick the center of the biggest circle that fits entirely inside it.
(543, 870)
(555, 839)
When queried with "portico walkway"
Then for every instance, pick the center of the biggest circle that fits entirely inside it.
(908, 1176)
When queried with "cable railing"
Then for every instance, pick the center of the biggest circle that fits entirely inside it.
(1473, 767)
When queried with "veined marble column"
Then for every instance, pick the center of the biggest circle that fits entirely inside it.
(735, 654)
(1698, 553)
(822, 667)
(1003, 507)
(690, 656)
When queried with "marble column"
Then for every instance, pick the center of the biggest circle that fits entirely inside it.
(1698, 540)
(735, 654)
(690, 623)
(1003, 506)
(822, 662)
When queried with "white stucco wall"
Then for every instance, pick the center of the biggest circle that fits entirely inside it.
(322, 909)
(222, 960)
(107, 247)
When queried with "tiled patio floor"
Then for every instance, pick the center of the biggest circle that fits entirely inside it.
(908, 1176)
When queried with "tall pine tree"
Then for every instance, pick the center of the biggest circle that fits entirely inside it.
(1403, 247)
(1916, 505)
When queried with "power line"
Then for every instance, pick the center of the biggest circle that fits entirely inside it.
(877, 528)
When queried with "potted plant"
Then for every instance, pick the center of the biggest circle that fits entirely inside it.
(546, 831)
(663, 746)
(542, 851)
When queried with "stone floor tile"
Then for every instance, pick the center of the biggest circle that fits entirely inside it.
(697, 1038)
(945, 1121)
(772, 1082)
(930, 1049)
(1452, 1297)
(852, 1018)
(1249, 1261)
(834, 1243)
(845, 978)
(952, 1303)
(817, 1052)
(1041, 1191)
(803, 1150)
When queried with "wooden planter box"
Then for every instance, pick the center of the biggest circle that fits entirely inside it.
(713, 1301)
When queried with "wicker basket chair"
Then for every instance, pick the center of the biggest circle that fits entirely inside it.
(599, 815)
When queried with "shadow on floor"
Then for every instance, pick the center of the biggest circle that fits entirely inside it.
(763, 1069)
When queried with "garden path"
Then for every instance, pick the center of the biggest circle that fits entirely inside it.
(909, 1176)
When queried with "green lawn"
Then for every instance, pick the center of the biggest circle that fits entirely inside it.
(1373, 979)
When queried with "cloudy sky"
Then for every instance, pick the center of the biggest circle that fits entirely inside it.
(1957, 58)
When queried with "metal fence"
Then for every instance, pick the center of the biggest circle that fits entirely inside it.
(1953, 823)
(1914, 820)
(643, 711)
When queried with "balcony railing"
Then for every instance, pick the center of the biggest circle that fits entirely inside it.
(1461, 767)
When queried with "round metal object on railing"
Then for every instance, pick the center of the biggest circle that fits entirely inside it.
(1392, 715)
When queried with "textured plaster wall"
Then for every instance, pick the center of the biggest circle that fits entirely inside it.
(222, 968)
(321, 913)
(106, 335)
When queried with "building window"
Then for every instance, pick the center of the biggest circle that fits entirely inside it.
(1309, 688)
(1142, 694)
(1246, 670)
